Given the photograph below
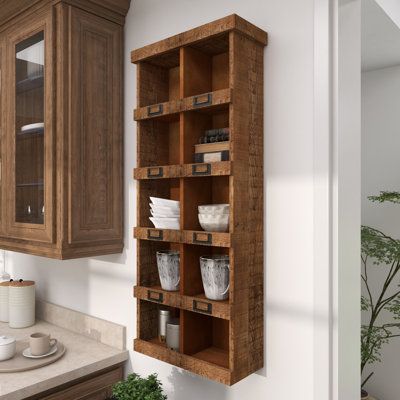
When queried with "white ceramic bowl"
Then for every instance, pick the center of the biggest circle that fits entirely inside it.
(166, 223)
(174, 204)
(7, 347)
(214, 222)
(164, 211)
(214, 209)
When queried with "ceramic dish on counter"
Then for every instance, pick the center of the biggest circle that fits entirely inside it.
(7, 347)
(166, 223)
(28, 354)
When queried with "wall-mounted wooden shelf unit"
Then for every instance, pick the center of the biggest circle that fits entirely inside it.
(210, 77)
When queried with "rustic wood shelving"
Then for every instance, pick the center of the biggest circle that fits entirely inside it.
(210, 77)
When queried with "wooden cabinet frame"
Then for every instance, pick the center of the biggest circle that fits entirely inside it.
(43, 21)
(207, 78)
(83, 157)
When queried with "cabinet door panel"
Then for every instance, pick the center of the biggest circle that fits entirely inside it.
(95, 152)
(2, 131)
(30, 131)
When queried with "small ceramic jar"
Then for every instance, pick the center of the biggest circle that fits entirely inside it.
(4, 293)
(21, 304)
(7, 348)
(173, 334)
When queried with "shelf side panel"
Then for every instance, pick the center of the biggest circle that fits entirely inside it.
(247, 330)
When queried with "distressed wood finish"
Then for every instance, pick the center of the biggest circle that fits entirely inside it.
(220, 85)
(201, 367)
(83, 126)
(115, 10)
(163, 110)
(215, 239)
(186, 170)
(199, 303)
(207, 31)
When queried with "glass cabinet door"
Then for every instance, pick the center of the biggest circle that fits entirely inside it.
(30, 130)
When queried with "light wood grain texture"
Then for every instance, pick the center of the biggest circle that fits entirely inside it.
(222, 60)
(185, 170)
(197, 365)
(198, 303)
(201, 238)
(215, 28)
(161, 111)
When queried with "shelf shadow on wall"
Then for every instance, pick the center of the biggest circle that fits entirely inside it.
(200, 388)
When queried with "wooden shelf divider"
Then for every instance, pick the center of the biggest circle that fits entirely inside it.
(210, 77)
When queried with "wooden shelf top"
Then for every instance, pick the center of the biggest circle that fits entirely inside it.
(230, 23)
(204, 101)
(216, 239)
(184, 170)
(198, 303)
(202, 363)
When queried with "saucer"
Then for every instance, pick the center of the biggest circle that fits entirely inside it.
(27, 352)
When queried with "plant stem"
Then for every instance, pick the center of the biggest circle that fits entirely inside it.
(366, 379)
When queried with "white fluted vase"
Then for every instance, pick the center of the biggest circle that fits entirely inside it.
(21, 304)
(4, 293)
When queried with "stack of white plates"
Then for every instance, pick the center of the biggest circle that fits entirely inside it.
(214, 217)
(165, 213)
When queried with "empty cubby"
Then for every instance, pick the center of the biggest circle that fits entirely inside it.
(205, 66)
(205, 338)
(159, 79)
(158, 141)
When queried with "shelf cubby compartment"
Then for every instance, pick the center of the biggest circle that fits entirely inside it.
(148, 274)
(148, 329)
(158, 80)
(196, 122)
(200, 191)
(165, 188)
(205, 66)
(206, 338)
(158, 142)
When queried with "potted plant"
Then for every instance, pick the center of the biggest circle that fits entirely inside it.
(379, 250)
(137, 388)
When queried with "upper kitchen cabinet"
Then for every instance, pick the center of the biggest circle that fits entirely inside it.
(61, 132)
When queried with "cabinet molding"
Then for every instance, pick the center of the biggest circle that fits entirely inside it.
(83, 132)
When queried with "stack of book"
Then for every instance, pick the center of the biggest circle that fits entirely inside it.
(213, 147)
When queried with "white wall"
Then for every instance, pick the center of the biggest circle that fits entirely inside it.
(102, 286)
(381, 171)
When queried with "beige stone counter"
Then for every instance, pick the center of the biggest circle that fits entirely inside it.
(83, 357)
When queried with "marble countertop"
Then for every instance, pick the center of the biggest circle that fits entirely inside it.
(83, 356)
